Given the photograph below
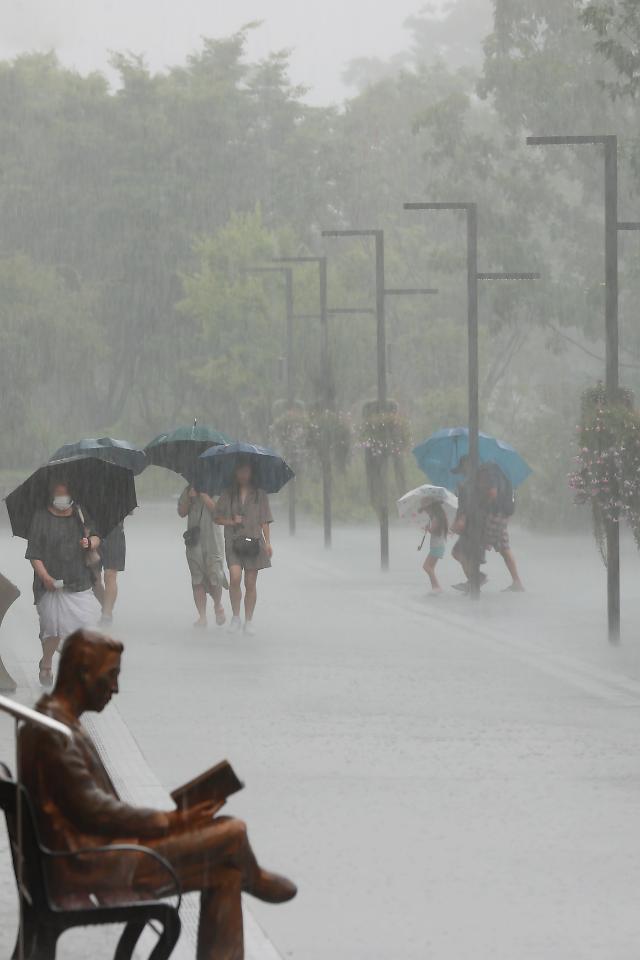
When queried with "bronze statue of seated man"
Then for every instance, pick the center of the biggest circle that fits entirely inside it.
(77, 806)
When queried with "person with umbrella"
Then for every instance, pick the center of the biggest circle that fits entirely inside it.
(496, 506)
(61, 544)
(495, 494)
(433, 508)
(113, 549)
(244, 511)
(113, 557)
(204, 545)
(63, 510)
(438, 529)
(444, 457)
(244, 474)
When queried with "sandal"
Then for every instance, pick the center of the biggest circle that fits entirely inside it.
(221, 617)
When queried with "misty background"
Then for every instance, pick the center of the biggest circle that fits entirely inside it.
(150, 153)
(322, 35)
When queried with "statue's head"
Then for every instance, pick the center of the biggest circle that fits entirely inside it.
(89, 669)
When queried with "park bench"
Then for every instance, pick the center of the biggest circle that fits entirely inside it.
(45, 918)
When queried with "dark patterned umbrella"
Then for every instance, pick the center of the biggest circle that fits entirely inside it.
(217, 466)
(104, 490)
(105, 448)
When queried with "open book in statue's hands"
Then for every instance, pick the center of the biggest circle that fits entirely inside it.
(212, 786)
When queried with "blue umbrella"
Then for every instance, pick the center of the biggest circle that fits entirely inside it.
(216, 467)
(105, 448)
(440, 454)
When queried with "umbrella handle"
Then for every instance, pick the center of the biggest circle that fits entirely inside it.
(422, 543)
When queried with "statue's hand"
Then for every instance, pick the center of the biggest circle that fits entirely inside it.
(194, 817)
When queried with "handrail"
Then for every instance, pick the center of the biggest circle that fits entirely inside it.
(121, 848)
(19, 712)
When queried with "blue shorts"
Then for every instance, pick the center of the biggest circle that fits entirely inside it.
(437, 553)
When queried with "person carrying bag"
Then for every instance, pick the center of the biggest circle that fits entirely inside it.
(244, 512)
(204, 547)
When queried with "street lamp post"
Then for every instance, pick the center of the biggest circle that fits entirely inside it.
(287, 272)
(381, 362)
(612, 368)
(473, 276)
(327, 398)
(381, 345)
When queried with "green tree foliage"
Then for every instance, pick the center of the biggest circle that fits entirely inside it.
(130, 212)
(47, 337)
(617, 28)
(234, 335)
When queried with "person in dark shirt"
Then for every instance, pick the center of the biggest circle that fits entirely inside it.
(462, 548)
(113, 556)
(62, 581)
(494, 500)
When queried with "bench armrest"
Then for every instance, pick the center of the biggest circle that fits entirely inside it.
(121, 848)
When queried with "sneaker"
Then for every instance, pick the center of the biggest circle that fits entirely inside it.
(249, 629)
(235, 626)
(45, 676)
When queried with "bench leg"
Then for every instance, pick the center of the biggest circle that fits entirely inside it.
(168, 938)
(38, 944)
(128, 940)
(29, 939)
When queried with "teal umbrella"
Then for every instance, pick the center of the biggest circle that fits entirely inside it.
(179, 449)
(439, 456)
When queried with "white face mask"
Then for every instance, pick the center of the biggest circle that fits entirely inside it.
(62, 503)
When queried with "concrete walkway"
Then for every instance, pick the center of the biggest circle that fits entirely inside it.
(443, 779)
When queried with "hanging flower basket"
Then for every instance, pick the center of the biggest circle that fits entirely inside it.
(332, 431)
(385, 434)
(607, 472)
(289, 435)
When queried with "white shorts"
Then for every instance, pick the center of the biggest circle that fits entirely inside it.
(63, 611)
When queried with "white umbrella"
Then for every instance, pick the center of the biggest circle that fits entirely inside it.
(412, 506)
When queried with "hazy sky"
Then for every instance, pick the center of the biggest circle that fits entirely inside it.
(324, 34)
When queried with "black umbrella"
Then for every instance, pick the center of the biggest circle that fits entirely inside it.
(105, 448)
(179, 450)
(104, 490)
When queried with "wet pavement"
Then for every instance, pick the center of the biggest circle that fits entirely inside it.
(443, 779)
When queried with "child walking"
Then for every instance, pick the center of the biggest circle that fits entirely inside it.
(438, 529)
